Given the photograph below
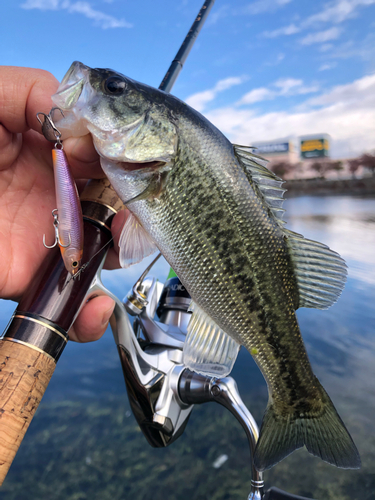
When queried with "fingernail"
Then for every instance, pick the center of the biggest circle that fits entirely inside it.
(108, 313)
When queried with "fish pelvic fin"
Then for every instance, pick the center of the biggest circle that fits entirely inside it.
(208, 349)
(135, 244)
(322, 432)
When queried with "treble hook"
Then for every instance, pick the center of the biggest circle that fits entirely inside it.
(57, 235)
(49, 124)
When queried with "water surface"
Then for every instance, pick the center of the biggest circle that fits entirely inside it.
(84, 442)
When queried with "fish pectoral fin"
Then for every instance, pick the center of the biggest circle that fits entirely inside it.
(320, 272)
(208, 349)
(135, 243)
(322, 432)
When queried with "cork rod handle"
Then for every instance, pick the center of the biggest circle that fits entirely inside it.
(38, 331)
(24, 376)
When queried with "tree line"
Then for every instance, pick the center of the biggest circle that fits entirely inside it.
(324, 165)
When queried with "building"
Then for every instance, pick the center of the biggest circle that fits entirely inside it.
(293, 157)
(315, 146)
(281, 150)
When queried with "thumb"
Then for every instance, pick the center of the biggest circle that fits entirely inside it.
(93, 319)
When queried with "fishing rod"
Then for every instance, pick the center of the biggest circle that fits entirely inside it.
(38, 330)
(181, 56)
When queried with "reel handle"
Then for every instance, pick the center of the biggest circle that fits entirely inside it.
(38, 331)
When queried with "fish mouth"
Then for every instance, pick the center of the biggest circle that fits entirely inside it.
(134, 169)
(71, 86)
(147, 166)
(69, 92)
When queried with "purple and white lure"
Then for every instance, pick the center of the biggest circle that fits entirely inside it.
(68, 220)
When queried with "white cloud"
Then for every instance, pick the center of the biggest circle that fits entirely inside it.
(292, 86)
(282, 87)
(361, 50)
(286, 84)
(347, 113)
(217, 14)
(350, 94)
(199, 100)
(334, 12)
(261, 6)
(227, 83)
(338, 11)
(326, 47)
(105, 21)
(257, 95)
(41, 4)
(275, 61)
(291, 29)
(321, 36)
(325, 67)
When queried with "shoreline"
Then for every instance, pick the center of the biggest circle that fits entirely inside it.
(318, 186)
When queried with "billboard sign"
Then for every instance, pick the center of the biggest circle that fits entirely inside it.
(273, 148)
(315, 148)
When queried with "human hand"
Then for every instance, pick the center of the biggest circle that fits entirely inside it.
(28, 194)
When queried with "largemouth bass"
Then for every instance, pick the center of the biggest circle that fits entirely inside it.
(214, 211)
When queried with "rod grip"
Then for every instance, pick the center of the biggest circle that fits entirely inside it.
(38, 331)
(24, 376)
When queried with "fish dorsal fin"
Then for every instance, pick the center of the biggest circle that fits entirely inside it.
(321, 273)
(135, 244)
(269, 185)
(208, 349)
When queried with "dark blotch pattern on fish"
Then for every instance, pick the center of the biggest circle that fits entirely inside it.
(213, 224)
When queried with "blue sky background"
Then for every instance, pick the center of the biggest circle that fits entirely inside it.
(260, 70)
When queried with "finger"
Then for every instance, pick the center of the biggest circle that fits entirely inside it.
(83, 157)
(10, 146)
(23, 93)
(93, 320)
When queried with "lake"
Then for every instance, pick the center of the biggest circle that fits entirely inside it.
(84, 443)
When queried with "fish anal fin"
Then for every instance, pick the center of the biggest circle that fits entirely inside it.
(208, 349)
(323, 433)
(135, 244)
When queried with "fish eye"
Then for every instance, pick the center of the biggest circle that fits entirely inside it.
(114, 85)
(74, 264)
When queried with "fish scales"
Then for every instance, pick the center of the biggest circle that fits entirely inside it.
(249, 307)
(198, 199)
(239, 284)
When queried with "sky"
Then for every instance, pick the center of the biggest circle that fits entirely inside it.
(260, 70)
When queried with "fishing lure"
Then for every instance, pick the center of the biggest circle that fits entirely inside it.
(68, 220)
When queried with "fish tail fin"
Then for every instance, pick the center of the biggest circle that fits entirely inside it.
(322, 432)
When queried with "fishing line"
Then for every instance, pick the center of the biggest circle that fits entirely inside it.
(86, 264)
